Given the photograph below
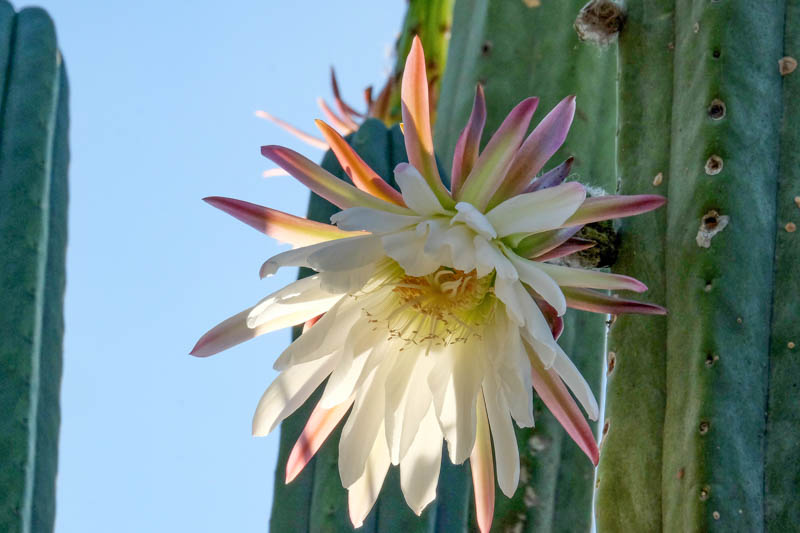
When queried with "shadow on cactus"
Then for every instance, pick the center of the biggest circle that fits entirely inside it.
(434, 312)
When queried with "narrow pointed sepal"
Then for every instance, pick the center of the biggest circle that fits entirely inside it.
(552, 177)
(598, 302)
(359, 172)
(556, 397)
(281, 226)
(537, 244)
(319, 426)
(300, 134)
(541, 144)
(325, 184)
(468, 145)
(493, 162)
(611, 206)
(569, 247)
(481, 464)
(415, 108)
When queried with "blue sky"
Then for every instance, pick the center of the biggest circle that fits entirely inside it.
(163, 95)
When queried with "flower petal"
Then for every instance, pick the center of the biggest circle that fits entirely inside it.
(481, 464)
(554, 395)
(293, 304)
(303, 136)
(415, 110)
(591, 279)
(536, 244)
(288, 392)
(345, 124)
(552, 177)
(416, 193)
(608, 207)
(363, 493)
(597, 302)
(490, 168)
(227, 334)
(281, 226)
(338, 192)
(359, 172)
(468, 145)
(537, 211)
(569, 247)
(336, 256)
(319, 426)
(474, 219)
(505, 441)
(419, 469)
(372, 220)
(522, 309)
(489, 258)
(575, 381)
(530, 274)
(408, 249)
(541, 144)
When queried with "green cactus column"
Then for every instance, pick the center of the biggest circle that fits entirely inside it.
(517, 49)
(33, 195)
(694, 390)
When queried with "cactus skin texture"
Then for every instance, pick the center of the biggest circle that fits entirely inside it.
(688, 446)
(783, 420)
(516, 51)
(33, 197)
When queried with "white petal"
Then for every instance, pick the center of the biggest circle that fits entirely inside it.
(408, 249)
(363, 425)
(347, 281)
(407, 400)
(288, 392)
(363, 493)
(295, 257)
(355, 353)
(505, 441)
(474, 219)
(530, 273)
(573, 378)
(419, 469)
(325, 337)
(509, 360)
(455, 381)
(294, 304)
(520, 305)
(416, 192)
(346, 254)
(489, 258)
(462, 249)
(537, 211)
(374, 220)
(436, 231)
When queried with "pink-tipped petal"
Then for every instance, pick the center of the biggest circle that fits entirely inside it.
(541, 243)
(571, 246)
(494, 161)
(325, 184)
(468, 144)
(591, 279)
(608, 207)
(303, 136)
(556, 397)
(344, 125)
(281, 226)
(597, 302)
(344, 108)
(227, 334)
(360, 173)
(319, 426)
(417, 121)
(541, 144)
(552, 177)
(481, 463)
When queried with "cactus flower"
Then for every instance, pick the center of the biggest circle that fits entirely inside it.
(434, 312)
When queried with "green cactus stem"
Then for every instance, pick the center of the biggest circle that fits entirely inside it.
(688, 447)
(33, 195)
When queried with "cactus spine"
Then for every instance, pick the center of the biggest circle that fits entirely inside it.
(33, 172)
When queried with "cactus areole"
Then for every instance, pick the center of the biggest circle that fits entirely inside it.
(434, 312)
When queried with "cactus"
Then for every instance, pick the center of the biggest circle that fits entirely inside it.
(705, 118)
(516, 50)
(33, 195)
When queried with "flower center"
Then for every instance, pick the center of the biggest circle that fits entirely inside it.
(439, 309)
